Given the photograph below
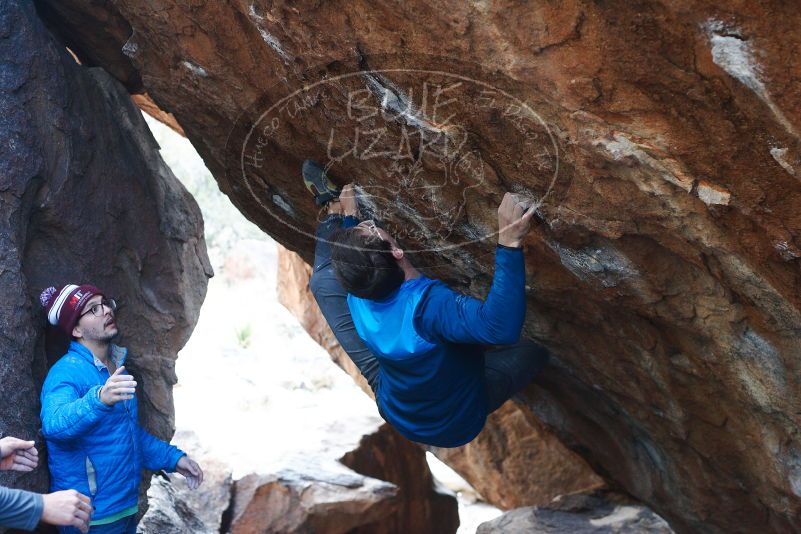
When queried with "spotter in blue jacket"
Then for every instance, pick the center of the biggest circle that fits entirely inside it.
(95, 449)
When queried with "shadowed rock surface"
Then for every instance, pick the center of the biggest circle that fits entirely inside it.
(84, 196)
(169, 513)
(578, 514)
(665, 277)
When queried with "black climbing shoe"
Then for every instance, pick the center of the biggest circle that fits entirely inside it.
(318, 183)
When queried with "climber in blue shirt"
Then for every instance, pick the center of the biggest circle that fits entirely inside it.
(422, 346)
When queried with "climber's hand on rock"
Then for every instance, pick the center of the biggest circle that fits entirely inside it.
(118, 387)
(191, 470)
(514, 219)
(347, 198)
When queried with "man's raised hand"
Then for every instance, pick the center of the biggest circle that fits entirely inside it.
(514, 219)
(118, 387)
(67, 508)
(18, 455)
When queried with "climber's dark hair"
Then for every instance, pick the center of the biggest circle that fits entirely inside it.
(364, 264)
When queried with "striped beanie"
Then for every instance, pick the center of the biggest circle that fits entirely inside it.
(64, 305)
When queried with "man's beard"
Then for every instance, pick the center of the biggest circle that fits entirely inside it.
(110, 337)
(105, 337)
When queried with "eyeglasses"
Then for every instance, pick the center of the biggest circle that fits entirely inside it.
(97, 308)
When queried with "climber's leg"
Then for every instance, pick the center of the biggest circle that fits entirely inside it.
(322, 239)
(325, 287)
(332, 299)
(507, 370)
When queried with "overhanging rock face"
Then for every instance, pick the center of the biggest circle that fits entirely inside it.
(661, 138)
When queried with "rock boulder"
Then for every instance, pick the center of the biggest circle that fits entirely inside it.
(174, 508)
(515, 461)
(85, 196)
(578, 514)
(323, 502)
(423, 507)
(661, 138)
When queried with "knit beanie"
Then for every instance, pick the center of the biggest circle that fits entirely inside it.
(64, 305)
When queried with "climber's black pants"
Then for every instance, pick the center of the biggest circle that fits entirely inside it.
(332, 299)
(507, 370)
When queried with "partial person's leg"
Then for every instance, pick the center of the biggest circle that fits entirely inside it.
(507, 370)
(332, 299)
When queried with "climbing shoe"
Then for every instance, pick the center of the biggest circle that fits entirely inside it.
(318, 183)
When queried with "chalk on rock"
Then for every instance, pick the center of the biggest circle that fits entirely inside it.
(713, 194)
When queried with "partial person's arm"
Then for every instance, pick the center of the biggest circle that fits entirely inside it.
(161, 455)
(446, 316)
(156, 453)
(20, 509)
(443, 315)
(66, 415)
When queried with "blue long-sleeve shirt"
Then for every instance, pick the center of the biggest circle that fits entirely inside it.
(428, 340)
(20, 509)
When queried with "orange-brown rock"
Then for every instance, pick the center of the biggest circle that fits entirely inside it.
(661, 137)
(147, 105)
(324, 503)
(423, 508)
(382, 486)
(516, 462)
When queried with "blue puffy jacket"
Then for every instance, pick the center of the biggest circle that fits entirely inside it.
(96, 449)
